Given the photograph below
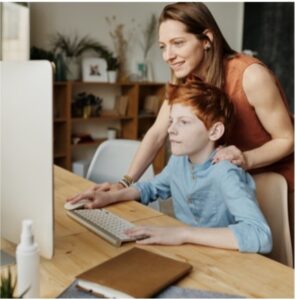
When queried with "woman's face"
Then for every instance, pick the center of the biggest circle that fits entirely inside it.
(183, 52)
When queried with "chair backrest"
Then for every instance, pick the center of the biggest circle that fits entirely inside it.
(272, 195)
(112, 160)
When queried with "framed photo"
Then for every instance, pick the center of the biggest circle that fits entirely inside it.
(94, 70)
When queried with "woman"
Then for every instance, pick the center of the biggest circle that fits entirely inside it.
(262, 138)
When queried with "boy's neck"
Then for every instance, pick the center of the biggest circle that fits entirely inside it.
(202, 155)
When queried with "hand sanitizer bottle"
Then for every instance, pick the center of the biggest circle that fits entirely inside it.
(27, 260)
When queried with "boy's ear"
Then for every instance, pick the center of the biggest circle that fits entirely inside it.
(216, 131)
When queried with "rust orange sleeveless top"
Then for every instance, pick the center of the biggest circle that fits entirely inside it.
(247, 132)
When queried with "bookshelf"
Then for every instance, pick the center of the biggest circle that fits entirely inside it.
(133, 125)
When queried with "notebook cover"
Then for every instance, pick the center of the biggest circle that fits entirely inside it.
(136, 272)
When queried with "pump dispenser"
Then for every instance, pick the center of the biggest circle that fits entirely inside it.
(27, 259)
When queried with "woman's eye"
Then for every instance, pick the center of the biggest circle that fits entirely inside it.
(161, 47)
(178, 43)
(184, 122)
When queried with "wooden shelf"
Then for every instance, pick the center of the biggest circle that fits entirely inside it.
(59, 155)
(60, 120)
(132, 126)
(94, 143)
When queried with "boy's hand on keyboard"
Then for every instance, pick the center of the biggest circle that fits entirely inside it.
(102, 187)
(158, 235)
(97, 187)
(97, 199)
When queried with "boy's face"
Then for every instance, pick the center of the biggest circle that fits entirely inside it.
(188, 134)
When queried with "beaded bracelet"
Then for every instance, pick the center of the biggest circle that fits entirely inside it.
(123, 183)
(128, 179)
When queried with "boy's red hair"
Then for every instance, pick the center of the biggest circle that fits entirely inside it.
(208, 102)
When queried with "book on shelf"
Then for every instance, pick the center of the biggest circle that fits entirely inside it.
(136, 273)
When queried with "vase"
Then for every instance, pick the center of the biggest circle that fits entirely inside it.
(145, 70)
(112, 76)
(87, 111)
(60, 72)
(73, 68)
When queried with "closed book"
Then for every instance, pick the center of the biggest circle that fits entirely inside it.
(136, 273)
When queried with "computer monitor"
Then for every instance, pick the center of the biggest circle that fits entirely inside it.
(27, 151)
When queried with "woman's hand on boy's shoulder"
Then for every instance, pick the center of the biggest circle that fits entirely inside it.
(232, 154)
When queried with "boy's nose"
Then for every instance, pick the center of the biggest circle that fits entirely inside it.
(171, 129)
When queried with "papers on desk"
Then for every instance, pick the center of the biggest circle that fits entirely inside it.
(136, 273)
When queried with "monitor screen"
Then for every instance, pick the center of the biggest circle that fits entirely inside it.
(27, 151)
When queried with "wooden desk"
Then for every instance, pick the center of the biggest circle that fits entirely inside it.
(77, 249)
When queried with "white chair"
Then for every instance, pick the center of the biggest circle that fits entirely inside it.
(272, 195)
(112, 160)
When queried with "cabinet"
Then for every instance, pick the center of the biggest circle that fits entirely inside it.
(133, 125)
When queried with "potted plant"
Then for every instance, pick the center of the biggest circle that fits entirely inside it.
(86, 105)
(72, 48)
(8, 286)
(112, 66)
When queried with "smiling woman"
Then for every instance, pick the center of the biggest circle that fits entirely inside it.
(262, 138)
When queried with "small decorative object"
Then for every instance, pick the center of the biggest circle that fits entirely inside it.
(121, 105)
(111, 133)
(82, 138)
(151, 104)
(112, 66)
(86, 105)
(149, 36)
(94, 70)
(120, 46)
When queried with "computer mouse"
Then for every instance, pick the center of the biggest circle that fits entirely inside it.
(79, 204)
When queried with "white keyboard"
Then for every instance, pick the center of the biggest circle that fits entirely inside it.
(104, 223)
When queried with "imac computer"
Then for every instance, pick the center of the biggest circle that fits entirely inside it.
(27, 151)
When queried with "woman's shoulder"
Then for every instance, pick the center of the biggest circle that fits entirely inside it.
(241, 61)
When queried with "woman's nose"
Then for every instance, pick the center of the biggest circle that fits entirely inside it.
(168, 54)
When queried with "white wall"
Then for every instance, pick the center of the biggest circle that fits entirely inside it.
(89, 19)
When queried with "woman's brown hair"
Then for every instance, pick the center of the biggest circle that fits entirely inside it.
(197, 18)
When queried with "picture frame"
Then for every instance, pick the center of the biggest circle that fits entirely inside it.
(94, 70)
(121, 105)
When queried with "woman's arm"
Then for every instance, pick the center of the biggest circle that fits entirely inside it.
(152, 142)
(264, 96)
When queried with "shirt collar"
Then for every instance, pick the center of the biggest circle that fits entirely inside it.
(205, 165)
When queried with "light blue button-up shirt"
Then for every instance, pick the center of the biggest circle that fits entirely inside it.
(212, 195)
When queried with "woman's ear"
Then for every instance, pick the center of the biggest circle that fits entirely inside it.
(209, 34)
(216, 131)
(209, 40)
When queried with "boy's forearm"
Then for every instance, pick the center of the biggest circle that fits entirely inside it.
(213, 237)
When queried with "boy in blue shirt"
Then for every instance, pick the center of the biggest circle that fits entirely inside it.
(216, 201)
